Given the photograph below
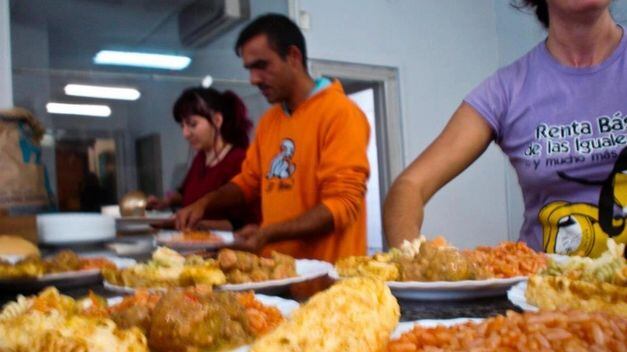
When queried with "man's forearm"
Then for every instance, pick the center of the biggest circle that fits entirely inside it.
(315, 222)
(402, 213)
(226, 197)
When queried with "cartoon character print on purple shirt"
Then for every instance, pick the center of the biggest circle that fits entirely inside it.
(582, 228)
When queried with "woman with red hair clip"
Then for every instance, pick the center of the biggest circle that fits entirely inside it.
(217, 126)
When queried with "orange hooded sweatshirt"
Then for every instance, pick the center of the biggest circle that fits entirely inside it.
(315, 155)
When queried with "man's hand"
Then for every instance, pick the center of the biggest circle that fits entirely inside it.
(189, 216)
(250, 238)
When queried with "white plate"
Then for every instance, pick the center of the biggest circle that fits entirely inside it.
(132, 246)
(60, 229)
(307, 269)
(448, 290)
(405, 326)
(516, 295)
(164, 238)
(152, 217)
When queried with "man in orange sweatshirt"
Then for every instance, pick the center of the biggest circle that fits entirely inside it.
(307, 163)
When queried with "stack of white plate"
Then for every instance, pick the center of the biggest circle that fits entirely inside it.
(74, 228)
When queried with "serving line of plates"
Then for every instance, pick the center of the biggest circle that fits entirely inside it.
(63, 279)
(288, 306)
(306, 269)
(456, 290)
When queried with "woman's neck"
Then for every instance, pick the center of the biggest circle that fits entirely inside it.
(583, 42)
(214, 155)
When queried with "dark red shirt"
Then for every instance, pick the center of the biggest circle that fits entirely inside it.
(202, 179)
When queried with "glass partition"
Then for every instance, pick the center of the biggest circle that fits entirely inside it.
(92, 161)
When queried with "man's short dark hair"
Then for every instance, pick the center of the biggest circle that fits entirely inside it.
(281, 32)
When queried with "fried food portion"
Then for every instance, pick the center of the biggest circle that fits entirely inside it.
(196, 319)
(16, 245)
(354, 315)
(51, 322)
(583, 283)
(167, 268)
(240, 267)
(555, 292)
(204, 321)
(382, 269)
(135, 310)
(436, 260)
(64, 261)
(543, 331)
(26, 268)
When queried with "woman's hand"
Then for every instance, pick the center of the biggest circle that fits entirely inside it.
(154, 203)
(463, 140)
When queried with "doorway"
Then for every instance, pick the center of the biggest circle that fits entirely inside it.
(375, 90)
(86, 174)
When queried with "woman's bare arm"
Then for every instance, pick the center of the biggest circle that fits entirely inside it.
(463, 140)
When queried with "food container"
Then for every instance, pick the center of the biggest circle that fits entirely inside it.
(110, 210)
(74, 228)
(133, 204)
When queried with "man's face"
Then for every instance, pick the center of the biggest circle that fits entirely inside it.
(268, 71)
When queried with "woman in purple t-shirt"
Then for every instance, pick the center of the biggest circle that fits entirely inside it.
(560, 115)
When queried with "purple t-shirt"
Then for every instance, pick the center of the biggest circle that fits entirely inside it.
(564, 130)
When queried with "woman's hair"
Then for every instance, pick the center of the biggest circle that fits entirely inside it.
(540, 8)
(204, 101)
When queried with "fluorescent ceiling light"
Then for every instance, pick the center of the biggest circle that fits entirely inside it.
(207, 81)
(120, 93)
(125, 58)
(78, 109)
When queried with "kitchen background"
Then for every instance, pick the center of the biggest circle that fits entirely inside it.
(408, 63)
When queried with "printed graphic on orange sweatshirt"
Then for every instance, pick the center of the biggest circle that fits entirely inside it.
(582, 228)
(282, 167)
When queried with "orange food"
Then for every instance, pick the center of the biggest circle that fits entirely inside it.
(261, 318)
(142, 297)
(96, 263)
(192, 236)
(544, 331)
(508, 259)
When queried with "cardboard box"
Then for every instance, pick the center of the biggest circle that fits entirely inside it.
(23, 226)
